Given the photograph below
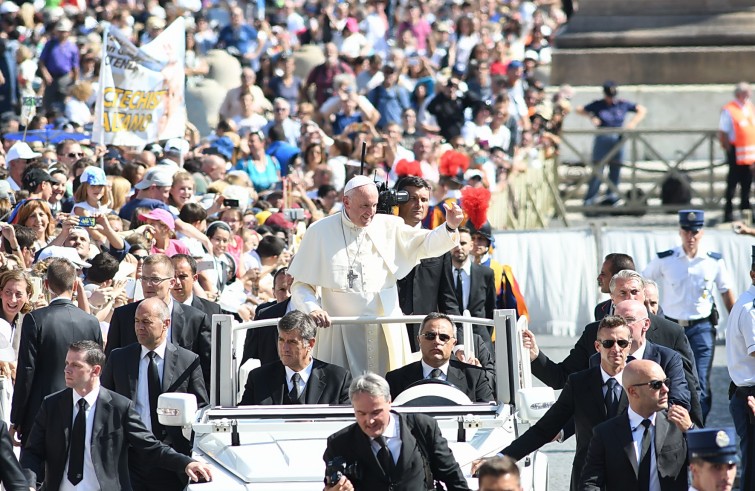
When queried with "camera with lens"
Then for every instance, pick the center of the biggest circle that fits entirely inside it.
(338, 467)
(388, 198)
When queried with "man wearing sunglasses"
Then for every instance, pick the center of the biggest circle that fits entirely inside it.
(650, 428)
(437, 338)
(590, 397)
(625, 285)
(68, 152)
(687, 276)
(636, 316)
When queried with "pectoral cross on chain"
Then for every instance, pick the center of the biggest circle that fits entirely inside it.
(351, 277)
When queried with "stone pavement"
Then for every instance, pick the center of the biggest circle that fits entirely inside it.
(561, 455)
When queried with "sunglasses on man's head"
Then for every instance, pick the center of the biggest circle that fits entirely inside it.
(430, 336)
(655, 384)
(608, 343)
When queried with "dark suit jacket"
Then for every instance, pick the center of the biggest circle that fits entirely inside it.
(190, 329)
(46, 334)
(420, 439)
(205, 306)
(671, 362)
(603, 309)
(262, 343)
(612, 463)
(661, 332)
(429, 287)
(116, 427)
(181, 373)
(582, 399)
(467, 378)
(481, 302)
(12, 477)
(328, 384)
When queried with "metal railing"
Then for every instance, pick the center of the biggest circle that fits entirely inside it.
(224, 375)
(696, 158)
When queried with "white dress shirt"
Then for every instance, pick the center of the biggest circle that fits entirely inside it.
(426, 369)
(304, 374)
(142, 386)
(635, 423)
(392, 436)
(89, 482)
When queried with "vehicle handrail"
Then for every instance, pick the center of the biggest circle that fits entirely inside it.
(363, 319)
(507, 353)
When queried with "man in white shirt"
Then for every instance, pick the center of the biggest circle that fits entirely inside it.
(16, 160)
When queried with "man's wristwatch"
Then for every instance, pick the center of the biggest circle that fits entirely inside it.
(450, 230)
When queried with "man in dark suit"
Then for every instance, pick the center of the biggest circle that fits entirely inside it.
(45, 336)
(429, 287)
(393, 451)
(627, 285)
(297, 378)
(590, 397)
(612, 264)
(436, 342)
(185, 270)
(636, 317)
(127, 372)
(474, 285)
(621, 451)
(86, 412)
(189, 327)
(262, 343)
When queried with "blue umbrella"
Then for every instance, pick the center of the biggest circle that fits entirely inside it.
(47, 136)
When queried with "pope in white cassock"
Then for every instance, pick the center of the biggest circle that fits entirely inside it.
(348, 265)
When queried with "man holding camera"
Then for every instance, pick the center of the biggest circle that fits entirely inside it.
(355, 258)
(401, 452)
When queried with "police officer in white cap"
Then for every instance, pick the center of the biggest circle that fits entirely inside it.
(686, 276)
(740, 358)
(712, 459)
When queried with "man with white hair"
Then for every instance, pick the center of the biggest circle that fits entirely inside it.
(355, 258)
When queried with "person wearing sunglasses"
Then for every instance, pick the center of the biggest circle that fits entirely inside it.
(591, 397)
(636, 317)
(651, 427)
(68, 152)
(624, 285)
(437, 338)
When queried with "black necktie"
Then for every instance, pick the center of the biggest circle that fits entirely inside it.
(611, 399)
(294, 394)
(643, 477)
(154, 389)
(385, 457)
(435, 373)
(78, 438)
(459, 291)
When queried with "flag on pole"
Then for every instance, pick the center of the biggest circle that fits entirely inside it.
(141, 89)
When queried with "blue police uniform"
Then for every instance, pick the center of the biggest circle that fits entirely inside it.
(714, 445)
(740, 344)
(686, 285)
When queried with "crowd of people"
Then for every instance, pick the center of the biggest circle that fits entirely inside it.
(115, 258)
